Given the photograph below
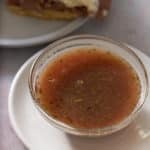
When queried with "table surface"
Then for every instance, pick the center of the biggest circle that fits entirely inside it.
(129, 22)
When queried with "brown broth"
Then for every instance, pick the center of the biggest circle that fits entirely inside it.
(88, 88)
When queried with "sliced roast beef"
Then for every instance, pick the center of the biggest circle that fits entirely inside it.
(47, 4)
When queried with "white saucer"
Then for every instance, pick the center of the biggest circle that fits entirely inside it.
(37, 134)
(18, 31)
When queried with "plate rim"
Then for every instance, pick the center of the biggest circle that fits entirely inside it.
(39, 40)
(11, 113)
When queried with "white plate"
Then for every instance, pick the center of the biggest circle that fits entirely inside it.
(37, 134)
(17, 31)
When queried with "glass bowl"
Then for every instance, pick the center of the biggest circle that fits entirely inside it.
(89, 41)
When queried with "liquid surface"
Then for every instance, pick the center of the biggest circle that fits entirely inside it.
(88, 89)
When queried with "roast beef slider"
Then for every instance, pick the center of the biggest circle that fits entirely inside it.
(60, 9)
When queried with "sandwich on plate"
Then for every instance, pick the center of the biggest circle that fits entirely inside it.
(60, 9)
